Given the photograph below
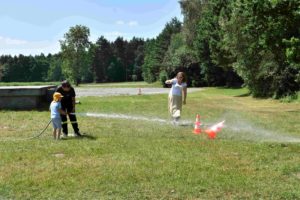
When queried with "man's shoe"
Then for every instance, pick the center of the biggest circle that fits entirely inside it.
(77, 134)
(63, 136)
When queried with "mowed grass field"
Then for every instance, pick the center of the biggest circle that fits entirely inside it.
(255, 156)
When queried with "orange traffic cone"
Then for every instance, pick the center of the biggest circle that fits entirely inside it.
(197, 129)
(140, 91)
(211, 134)
(213, 130)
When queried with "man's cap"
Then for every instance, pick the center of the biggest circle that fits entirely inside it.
(65, 83)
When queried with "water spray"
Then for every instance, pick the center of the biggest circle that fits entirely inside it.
(120, 116)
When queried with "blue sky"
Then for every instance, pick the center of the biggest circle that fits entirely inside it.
(35, 26)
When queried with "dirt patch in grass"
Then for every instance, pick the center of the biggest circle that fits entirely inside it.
(59, 155)
(297, 175)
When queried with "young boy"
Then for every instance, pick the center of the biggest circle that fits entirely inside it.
(56, 111)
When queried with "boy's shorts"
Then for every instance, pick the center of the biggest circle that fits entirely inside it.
(56, 123)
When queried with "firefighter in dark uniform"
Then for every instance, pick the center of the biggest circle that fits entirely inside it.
(68, 105)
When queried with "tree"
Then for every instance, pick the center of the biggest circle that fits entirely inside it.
(192, 12)
(156, 49)
(2, 67)
(55, 72)
(256, 35)
(102, 57)
(4, 59)
(74, 50)
(119, 49)
(208, 43)
(138, 63)
(151, 61)
(134, 56)
(39, 66)
(115, 71)
(179, 57)
(293, 56)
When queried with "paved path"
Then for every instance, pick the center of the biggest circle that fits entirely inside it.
(81, 92)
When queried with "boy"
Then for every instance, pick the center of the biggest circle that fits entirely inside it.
(56, 111)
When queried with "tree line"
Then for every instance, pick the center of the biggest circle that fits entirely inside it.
(252, 43)
(102, 61)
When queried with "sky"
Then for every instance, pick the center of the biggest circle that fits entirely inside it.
(32, 27)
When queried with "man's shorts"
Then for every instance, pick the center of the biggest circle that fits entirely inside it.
(56, 123)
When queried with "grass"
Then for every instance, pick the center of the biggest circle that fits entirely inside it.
(123, 159)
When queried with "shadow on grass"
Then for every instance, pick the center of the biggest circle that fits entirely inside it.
(90, 137)
(296, 110)
(84, 136)
(244, 95)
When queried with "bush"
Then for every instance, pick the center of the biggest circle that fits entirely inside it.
(163, 76)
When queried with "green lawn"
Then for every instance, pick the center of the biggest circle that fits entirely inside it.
(131, 159)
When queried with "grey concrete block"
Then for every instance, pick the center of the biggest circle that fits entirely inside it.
(25, 97)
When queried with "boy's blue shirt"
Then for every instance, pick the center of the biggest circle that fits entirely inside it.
(54, 108)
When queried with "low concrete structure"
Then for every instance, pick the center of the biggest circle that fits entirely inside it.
(25, 97)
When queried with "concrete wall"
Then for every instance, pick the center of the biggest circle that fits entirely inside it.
(25, 97)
